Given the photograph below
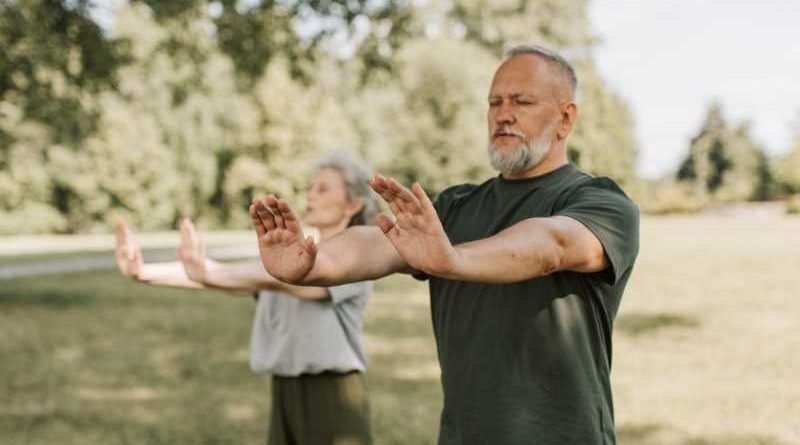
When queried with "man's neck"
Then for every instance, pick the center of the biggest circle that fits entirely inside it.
(547, 165)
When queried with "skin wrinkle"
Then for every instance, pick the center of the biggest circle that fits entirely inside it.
(532, 108)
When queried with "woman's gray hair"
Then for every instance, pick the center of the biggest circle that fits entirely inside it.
(356, 176)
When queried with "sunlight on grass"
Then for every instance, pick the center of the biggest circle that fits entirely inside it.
(705, 351)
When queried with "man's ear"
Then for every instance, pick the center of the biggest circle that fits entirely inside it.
(568, 115)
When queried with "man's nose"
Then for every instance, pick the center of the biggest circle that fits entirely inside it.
(504, 114)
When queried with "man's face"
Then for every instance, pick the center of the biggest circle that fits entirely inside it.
(524, 110)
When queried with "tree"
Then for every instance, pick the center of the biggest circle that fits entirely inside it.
(253, 33)
(431, 118)
(724, 163)
(54, 59)
(603, 142)
(496, 24)
(787, 168)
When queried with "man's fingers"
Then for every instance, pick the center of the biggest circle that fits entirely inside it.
(256, 221)
(272, 205)
(403, 193)
(385, 223)
(289, 220)
(377, 183)
(381, 187)
(425, 202)
(310, 245)
(264, 215)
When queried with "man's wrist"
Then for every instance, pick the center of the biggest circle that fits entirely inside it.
(454, 266)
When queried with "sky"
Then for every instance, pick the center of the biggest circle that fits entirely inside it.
(670, 58)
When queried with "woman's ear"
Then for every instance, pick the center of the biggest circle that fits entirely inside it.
(353, 207)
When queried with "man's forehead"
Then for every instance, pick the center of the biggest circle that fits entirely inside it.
(525, 74)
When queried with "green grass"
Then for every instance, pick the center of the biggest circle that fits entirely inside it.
(706, 347)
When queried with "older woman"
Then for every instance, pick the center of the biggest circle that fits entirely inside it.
(308, 338)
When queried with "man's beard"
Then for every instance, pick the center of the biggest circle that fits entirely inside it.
(521, 158)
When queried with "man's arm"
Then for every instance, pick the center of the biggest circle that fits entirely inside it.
(529, 249)
(359, 253)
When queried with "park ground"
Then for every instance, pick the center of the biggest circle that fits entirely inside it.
(706, 351)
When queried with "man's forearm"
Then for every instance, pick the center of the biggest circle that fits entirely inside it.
(357, 254)
(529, 249)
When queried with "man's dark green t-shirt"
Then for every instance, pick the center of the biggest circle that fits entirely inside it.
(529, 362)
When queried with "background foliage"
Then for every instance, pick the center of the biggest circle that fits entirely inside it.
(189, 108)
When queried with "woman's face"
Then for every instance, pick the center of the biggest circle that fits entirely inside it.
(327, 204)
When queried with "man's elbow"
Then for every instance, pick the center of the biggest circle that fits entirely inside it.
(589, 260)
(552, 259)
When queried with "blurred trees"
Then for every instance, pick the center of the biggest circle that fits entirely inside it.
(787, 168)
(724, 164)
(191, 107)
(438, 95)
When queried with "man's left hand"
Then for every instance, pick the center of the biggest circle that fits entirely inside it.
(416, 233)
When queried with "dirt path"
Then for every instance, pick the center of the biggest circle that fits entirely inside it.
(85, 261)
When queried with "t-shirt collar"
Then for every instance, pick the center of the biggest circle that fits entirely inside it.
(535, 181)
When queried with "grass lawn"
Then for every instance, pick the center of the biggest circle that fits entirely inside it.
(707, 344)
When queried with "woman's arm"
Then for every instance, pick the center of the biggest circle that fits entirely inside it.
(130, 263)
(248, 277)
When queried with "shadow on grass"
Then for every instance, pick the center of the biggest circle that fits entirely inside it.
(730, 439)
(637, 433)
(638, 324)
(57, 300)
(655, 434)
(81, 289)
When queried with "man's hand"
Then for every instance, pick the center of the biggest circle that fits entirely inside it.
(127, 252)
(192, 253)
(417, 233)
(285, 253)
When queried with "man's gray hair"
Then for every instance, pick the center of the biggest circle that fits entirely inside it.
(356, 176)
(551, 56)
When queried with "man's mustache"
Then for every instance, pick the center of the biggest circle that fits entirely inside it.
(507, 131)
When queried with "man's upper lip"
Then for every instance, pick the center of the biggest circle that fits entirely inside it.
(503, 133)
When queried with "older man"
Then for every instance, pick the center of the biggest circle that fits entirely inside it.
(526, 270)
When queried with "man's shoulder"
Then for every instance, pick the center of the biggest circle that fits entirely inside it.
(596, 191)
(582, 180)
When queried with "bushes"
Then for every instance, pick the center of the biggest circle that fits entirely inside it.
(668, 196)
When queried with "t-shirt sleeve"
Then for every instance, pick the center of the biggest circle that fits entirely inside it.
(604, 209)
(345, 292)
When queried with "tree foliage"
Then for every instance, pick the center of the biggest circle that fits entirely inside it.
(724, 163)
(787, 168)
(192, 107)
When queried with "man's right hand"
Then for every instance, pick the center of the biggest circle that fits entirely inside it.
(285, 253)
